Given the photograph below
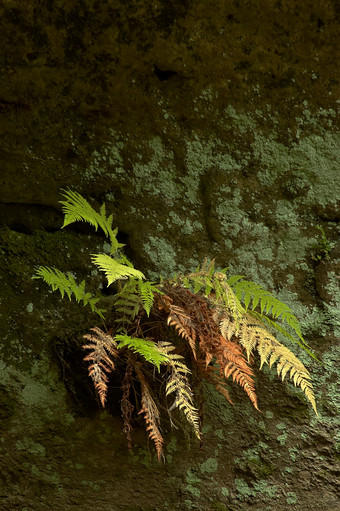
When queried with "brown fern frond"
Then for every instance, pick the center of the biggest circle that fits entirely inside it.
(103, 350)
(200, 325)
(222, 390)
(183, 324)
(151, 414)
(211, 375)
(179, 318)
(271, 351)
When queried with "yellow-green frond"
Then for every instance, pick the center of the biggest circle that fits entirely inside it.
(113, 269)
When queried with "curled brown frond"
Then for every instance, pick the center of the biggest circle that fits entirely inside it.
(101, 357)
(180, 320)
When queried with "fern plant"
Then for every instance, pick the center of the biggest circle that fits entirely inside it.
(204, 322)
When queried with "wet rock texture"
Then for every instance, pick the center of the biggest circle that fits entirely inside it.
(210, 129)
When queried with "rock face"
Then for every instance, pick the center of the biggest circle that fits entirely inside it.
(210, 129)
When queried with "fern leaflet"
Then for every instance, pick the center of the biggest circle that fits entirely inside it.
(103, 350)
(113, 269)
(144, 347)
(77, 209)
(256, 336)
(178, 383)
(253, 294)
(67, 285)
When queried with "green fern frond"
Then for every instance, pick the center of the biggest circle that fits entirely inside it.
(67, 285)
(214, 285)
(253, 295)
(127, 305)
(178, 383)
(77, 209)
(147, 349)
(146, 291)
(113, 269)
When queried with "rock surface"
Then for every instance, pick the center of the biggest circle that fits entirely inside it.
(210, 129)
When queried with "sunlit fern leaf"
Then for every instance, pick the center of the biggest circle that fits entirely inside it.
(144, 347)
(77, 209)
(151, 414)
(226, 295)
(271, 351)
(103, 350)
(178, 383)
(279, 328)
(253, 294)
(223, 318)
(113, 269)
(66, 284)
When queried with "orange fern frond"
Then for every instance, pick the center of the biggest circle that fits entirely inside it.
(151, 414)
(103, 350)
(233, 363)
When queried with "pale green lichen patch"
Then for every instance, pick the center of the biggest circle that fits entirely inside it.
(260, 489)
(209, 466)
(291, 498)
(162, 255)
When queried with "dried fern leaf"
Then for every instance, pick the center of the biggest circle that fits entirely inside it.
(182, 323)
(151, 414)
(271, 352)
(223, 318)
(103, 350)
(178, 383)
(126, 405)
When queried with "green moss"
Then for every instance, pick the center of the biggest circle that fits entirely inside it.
(31, 447)
(254, 460)
(219, 506)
